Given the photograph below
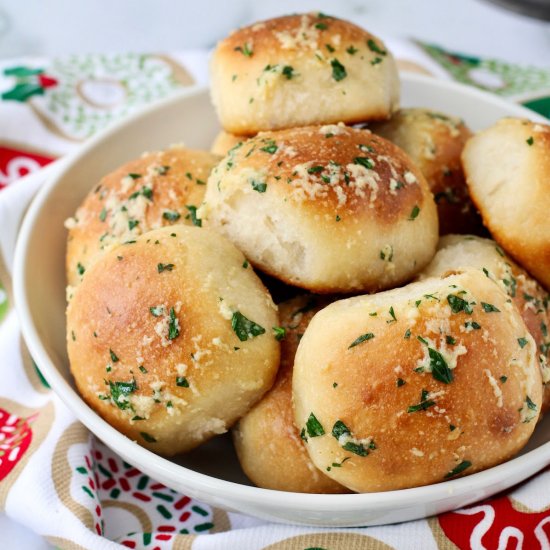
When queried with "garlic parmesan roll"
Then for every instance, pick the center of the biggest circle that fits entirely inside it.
(327, 208)
(507, 167)
(170, 337)
(434, 141)
(158, 189)
(418, 384)
(299, 70)
(268, 444)
(456, 252)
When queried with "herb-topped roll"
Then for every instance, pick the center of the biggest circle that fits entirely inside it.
(170, 337)
(327, 208)
(417, 385)
(268, 444)
(456, 252)
(507, 167)
(434, 141)
(299, 70)
(158, 189)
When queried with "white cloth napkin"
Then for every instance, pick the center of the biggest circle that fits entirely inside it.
(60, 481)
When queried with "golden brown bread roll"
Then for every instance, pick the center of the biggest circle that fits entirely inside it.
(506, 169)
(299, 70)
(268, 444)
(170, 337)
(327, 208)
(418, 384)
(155, 190)
(434, 141)
(455, 252)
(224, 142)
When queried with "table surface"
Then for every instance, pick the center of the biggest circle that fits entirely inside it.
(40, 28)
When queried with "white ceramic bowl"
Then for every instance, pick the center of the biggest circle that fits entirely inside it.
(211, 473)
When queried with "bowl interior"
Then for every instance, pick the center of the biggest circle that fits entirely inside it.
(190, 119)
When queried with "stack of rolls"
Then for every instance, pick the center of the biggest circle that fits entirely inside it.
(318, 183)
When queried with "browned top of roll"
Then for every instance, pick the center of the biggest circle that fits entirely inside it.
(155, 190)
(329, 169)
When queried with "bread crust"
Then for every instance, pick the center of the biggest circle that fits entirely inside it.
(327, 208)
(434, 141)
(378, 404)
(155, 190)
(295, 70)
(456, 252)
(507, 167)
(151, 342)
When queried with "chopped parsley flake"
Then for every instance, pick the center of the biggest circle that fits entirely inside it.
(173, 329)
(288, 71)
(164, 267)
(321, 26)
(352, 50)
(193, 215)
(132, 224)
(279, 333)
(361, 339)
(530, 404)
(114, 357)
(340, 429)
(258, 186)
(162, 170)
(143, 369)
(392, 314)
(244, 328)
(458, 469)
(400, 382)
(147, 437)
(314, 427)
(329, 48)
(103, 214)
(246, 50)
(245, 264)
(407, 334)
(270, 148)
(522, 342)
(458, 304)
(374, 47)
(182, 382)
(120, 391)
(171, 215)
(315, 169)
(530, 140)
(80, 268)
(364, 161)
(134, 176)
(503, 378)
(450, 340)
(146, 192)
(440, 369)
(156, 311)
(489, 308)
(338, 70)
(472, 324)
(424, 404)
(414, 212)
(356, 448)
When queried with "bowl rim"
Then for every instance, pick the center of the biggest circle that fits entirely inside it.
(531, 461)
